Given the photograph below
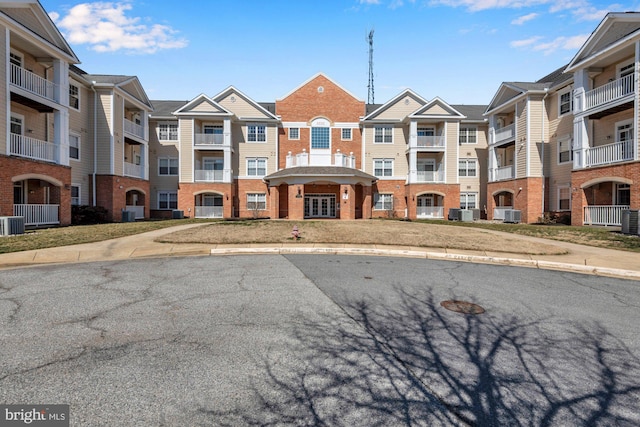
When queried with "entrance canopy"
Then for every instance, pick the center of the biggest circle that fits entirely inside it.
(308, 174)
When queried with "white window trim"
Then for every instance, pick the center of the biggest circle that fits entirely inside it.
(289, 133)
(622, 65)
(563, 187)
(177, 125)
(266, 163)
(168, 193)
(257, 125)
(383, 160)
(561, 140)
(77, 85)
(560, 94)
(466, 161)
(19, 117)
(76, 134)
(377, 196)
(466, 195)
(470, 127)
(383, 126)
(168, 166)
(79, 195)
(342, 138)
(620, 124)
(258, 208)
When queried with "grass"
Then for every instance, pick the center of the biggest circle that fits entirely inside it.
(442, 234)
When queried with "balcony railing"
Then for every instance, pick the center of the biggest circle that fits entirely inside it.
(131, 169)
(209, 139)
(505, 134)
(604, 215)
(430, 211)
(610, 92)
(209, 211)
(133, 129)
(498, 213)
(37, 214)
(32, 148)
(33, 83)
(345, 160)
(339, 159)
(430, 176)
(611, 153)
(139, 210)
(503, 172)
(213, 175)
(432, 141)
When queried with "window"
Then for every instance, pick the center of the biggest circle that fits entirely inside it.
(320, 138)
(346, 134)
(383, 167)
(564, 198)
(565, 154)
(16, 124)
(468, 200)
(167, 200)
(74, 96)
(383, 202)
(167, 166)
(168, 132)
(467, 167)
(256, 133)
(566, 103)
(256, 201)
(626, 69)
(212, 129)
(383, 134)
(15, 59)
(294, 133)
(468, 135)
(74, 147)
(623, 194)
(257, 166)
(75, 195)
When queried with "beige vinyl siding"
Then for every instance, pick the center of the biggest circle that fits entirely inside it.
(185, 135)
(536, 123)
(400, 109)
(81, 124)
(241, 107)
(258, 149)
(118, 125)
(160, 183)
(395, 151)
(104, 132)
(480, 152)
(33, 121)
(559, 128)
(436, 110)
(521, 153)
(452, 133)
(3, 87)
(604, 130)
(204, 107)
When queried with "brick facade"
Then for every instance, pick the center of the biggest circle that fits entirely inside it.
(187, 193)
(527, 196)
(114, 193)
(449, 197)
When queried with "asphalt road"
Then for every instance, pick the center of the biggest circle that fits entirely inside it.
(319, 340)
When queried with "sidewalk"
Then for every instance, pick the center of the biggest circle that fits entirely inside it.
(580, 259)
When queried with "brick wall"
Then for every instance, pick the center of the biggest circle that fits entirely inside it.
(187, 196)
(450, 196)
(111, 194)
(246, 186)
(528, 195)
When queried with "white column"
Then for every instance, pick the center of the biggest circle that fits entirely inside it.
(413, 166)
(226, 130)
(413, 134)
(580, 142)
(227, 164)
(581, 86)
(61, 116)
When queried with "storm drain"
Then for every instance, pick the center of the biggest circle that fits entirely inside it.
(463, 307)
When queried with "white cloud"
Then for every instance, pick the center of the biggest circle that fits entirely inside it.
(478, 5)
(106, 27)
(525, 42)
(559, 43)
(525, 18)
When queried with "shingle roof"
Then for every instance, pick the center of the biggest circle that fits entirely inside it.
(108, 79)
(473, 112)
(165, 108)
(334, 171)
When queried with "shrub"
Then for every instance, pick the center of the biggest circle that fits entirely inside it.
(86, 215)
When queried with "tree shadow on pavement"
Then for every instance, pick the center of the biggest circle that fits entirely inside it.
(415, 363)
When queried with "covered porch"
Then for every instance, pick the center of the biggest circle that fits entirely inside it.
(605, 202)
(38, 200)
(209, 204)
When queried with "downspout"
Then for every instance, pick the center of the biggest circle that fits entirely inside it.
(95, 143)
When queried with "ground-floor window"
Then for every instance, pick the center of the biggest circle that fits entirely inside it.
(75, 195)
(468, 200)
(623, 194)
(167, 200)
(256, 201)
(383, 202)
(564, 198)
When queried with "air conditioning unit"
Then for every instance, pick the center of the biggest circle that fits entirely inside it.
(128, 216)
(512, 216)
(629, 220)
(11, 225)
(454, 214)
(176, 214)
(465, 215)
(476, 214)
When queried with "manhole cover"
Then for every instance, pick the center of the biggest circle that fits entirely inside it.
(462, 307)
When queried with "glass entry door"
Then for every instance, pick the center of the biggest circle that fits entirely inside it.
(320, 206)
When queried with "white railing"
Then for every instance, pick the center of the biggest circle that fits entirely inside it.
(32, 82)
(504, 172)
(504, 134)
(609, 92)
(347, 161)
(430, 211)
(604, 215)
(209, 211)
(133, 129)
(139, 210)
(209, 139)
(610, 153)
(38, 214)
(339, 159)
(136, 171)
(300, 159)
(432, 141)
(32, 148)
(430, 176)
(498, 213)
(213, 175)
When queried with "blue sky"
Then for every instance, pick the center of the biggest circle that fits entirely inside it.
(459, 50)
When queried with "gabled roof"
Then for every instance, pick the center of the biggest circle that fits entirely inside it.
(510, 91)
(262, 108)
(436, 108)
(30, 15)
(165, 109)
(614, 29)
(315, 77)
(129, 84)
(202, 105)
(393, 102)
(473, 113)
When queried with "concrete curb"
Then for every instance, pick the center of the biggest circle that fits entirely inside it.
(531, 263)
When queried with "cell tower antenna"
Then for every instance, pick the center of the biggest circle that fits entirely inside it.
(370, 96)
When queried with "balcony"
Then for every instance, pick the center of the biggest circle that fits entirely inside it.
(32, 148)
(209, 211)
(36, 215)
(507, 133)
(610, 92)
(503, 173)
(436, 142)
(133, 170)
(430, 211)
(604, 215)
(339, 159)
(32, 83)
(209, 139)
(204, 175)
(428, 176)
(621, 151)
(133, 129)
